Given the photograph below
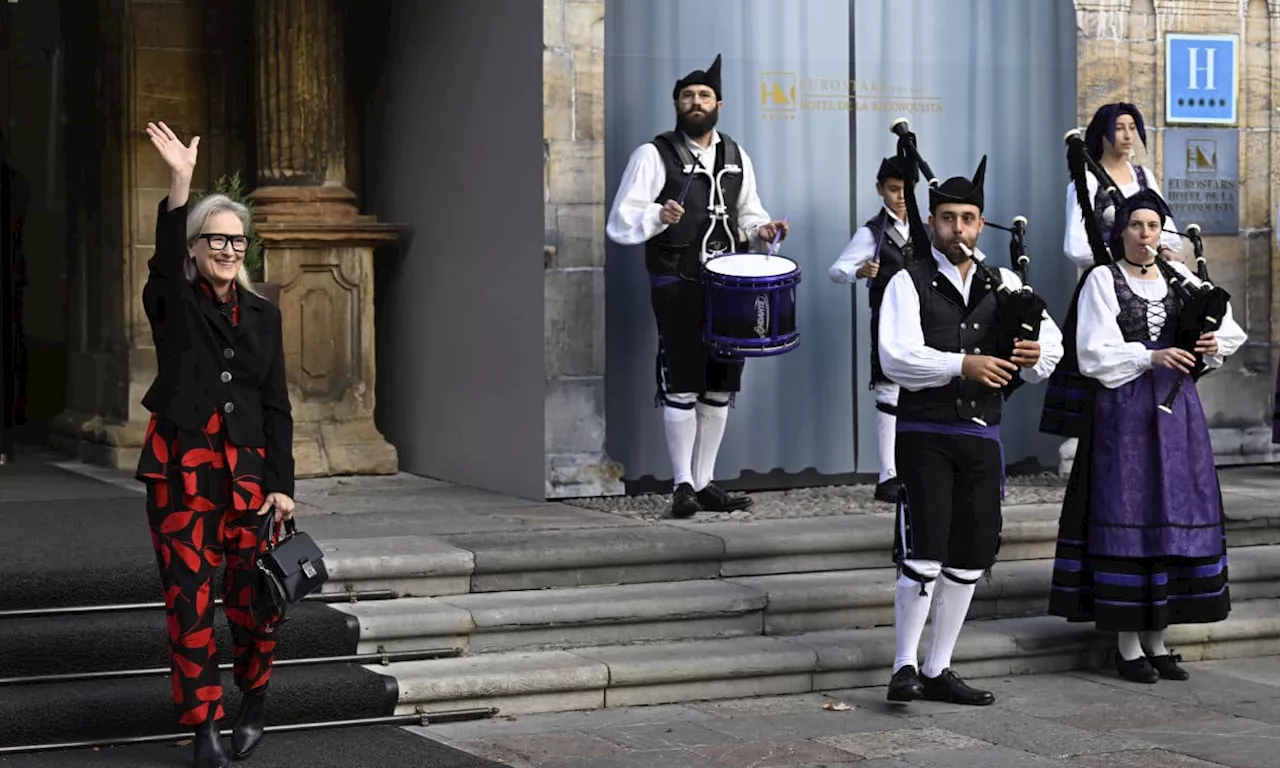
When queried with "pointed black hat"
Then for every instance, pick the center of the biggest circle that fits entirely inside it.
(896, 167)
(958, 189)
(709, 77)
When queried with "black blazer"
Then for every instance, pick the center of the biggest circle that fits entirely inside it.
(205, 364)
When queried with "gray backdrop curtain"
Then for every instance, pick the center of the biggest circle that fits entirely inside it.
(973, 76)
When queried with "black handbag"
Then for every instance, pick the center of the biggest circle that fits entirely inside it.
(288, 570)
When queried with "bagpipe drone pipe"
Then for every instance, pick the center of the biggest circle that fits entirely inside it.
(1019, 310)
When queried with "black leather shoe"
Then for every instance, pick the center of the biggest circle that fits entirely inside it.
(246, 734)
(684, 503)
(950, 688)
(1167, 667)
(888, 490)
(714, 499)
(905, 685)
(208, 746)
(1137, 671)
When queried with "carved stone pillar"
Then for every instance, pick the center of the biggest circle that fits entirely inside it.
(319, 249)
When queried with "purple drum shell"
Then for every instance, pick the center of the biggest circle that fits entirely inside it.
(752, 315)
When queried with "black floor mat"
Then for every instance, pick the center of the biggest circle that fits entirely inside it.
(76, 552)
(97, 642)
(50, 713)
(381, 746)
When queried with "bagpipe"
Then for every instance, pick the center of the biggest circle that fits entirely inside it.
(1201, 307)
(1019, 310)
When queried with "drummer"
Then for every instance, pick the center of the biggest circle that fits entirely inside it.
(694, 390)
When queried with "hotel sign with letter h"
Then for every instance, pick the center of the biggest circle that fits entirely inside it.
(1202, 77)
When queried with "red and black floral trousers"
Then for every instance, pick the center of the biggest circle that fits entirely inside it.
(203, 495)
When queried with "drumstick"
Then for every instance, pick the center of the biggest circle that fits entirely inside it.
(688, 180)
(777, 236)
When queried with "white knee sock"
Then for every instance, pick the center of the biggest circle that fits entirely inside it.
(681, 427)
(711, 423)
(1129, 644)
(886, 430)
(950, 607)
(910, 612)
(1154, 640)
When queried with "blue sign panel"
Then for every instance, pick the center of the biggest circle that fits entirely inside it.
(1202, 74)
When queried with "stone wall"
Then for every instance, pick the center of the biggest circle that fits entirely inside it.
(573, 254)
(1121, 58)
(159, 61)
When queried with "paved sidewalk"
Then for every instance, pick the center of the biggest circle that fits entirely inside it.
(1228, 714)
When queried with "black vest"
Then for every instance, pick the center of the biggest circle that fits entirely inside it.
(892, 258)
(950, 326)
(678, 249)
(1133, 317)
(1101, 200)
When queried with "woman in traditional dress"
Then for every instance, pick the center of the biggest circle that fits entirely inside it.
(1141, 543)
(1110, 139)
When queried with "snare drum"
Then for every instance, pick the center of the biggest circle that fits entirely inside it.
(751, 305)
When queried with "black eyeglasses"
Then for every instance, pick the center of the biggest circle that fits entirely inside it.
(239, 243)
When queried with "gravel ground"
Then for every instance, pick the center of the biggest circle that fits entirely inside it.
(812, 502)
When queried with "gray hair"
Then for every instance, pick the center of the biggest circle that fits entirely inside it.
(199, 215)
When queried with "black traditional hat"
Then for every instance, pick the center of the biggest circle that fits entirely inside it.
(896, 167)
(958, 189)
(1143, 198)
(709, 77)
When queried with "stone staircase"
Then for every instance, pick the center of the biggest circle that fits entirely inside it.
(569, 619)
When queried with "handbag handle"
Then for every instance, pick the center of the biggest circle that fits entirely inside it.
(264, 531)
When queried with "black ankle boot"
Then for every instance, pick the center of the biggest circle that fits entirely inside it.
(208, 746)
(246, 735)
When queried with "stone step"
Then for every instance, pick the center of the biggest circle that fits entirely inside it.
(672, 551)
(615, 676)
(786, 604)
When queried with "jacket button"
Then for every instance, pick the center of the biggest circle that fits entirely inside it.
(226, 377)
(228, 407)
(972, 404)
(959, 402)
(228, 353)
(975, 326)
(977, 351)
(962, 326)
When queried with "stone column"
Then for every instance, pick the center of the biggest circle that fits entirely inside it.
(573, 255)
(319, 249)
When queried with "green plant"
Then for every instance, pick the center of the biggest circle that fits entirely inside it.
(233, 187)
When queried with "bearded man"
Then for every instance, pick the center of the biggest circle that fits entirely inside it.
(690, 195)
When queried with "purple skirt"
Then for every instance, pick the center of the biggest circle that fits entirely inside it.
(1153, 486)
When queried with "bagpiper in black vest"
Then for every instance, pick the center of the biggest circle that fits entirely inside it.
(678, 249)
(951, 326)
(894, 252)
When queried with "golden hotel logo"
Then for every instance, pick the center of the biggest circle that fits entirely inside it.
(784, 94)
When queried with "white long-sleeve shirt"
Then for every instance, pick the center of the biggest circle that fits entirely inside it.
(861, 249)
(1075, 243)
(906, 359)
(634, 218)
(1103, 353)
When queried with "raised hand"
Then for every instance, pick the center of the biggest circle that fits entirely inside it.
(180, 159)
